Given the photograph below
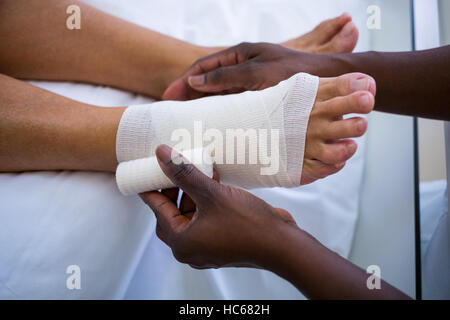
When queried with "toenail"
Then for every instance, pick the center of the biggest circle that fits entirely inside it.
(351, 148)
(364, 101)
(360, 126)
(360, 84)
(372, 86)
(347, 30)
(344, 16)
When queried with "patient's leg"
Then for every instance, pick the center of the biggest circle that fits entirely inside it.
(110, 51)
(40, 130)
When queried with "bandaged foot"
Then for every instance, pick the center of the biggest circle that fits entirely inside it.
(256, 138)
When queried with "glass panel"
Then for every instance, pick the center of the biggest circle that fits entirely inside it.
(385, 231)
(432, 29)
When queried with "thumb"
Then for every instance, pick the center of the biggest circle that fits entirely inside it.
(184, 174)
(223, 78)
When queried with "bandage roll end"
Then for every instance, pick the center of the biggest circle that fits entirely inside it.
(145, 174)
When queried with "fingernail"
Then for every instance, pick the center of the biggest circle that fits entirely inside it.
(364, 101)
(348, 29)
(164, 152)
(167, 155)
(360, 84)
(196, 81)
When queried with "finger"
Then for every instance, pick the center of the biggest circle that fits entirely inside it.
(167, 214)
(216, 176)
(233, 78)
(184, 174)
(171, 193)
(187, 205)
(180, 88)
(285, 215)
(160, 234)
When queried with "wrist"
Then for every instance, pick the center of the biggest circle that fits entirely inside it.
(281, 243)
(322, 65)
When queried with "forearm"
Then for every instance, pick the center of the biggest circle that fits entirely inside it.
(320, 273)
(36, 44)
(410, 83)
(40, 130)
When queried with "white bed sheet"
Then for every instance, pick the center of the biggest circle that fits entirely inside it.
(50, 220)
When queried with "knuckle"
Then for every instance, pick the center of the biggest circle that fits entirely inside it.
(243, 44)
(183, 171)
(159, 232)
(197, 63)
(215, 76)
(179, 256)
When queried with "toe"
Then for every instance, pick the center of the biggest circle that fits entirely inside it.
(343, 42)
(361, 102)
(314, 170)
(337, 152)
(345, 85)
(352, 82)
(327, 29)
(348, 128)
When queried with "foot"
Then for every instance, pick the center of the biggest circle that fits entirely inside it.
(327, 139)
(337, 35)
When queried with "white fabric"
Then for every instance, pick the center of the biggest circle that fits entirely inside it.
(145, 174)
(436, 237)
(435, 233)
(246, 130)
(447, 155)
(50, 220)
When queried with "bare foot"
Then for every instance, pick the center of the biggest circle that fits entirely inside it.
(337, 35)
(327, 139)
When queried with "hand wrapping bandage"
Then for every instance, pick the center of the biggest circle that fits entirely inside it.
(256, 138)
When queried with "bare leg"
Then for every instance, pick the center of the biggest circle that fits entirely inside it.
(40, 130)
(109, 51)
(36, 44)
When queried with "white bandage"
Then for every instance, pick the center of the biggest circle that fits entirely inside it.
(270, 126)
(145, 174)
